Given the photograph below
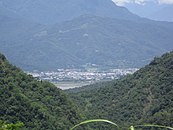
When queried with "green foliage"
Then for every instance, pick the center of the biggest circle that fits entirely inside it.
(154, 126)
(38, 104)
(6, 126)
(144, 97)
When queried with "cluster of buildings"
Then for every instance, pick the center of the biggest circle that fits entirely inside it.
(82, 74)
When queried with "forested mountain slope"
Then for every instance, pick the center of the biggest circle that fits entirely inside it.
(38, 104)
(141, 98)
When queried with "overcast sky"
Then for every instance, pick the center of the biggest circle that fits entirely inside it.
(122, 2)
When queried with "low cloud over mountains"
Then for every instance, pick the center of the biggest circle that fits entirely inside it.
(142, 2)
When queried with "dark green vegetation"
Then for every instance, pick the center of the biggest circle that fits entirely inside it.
(109, 36)
(38, 104)
(144, 97)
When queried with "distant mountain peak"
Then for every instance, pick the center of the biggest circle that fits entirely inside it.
(152, 10)
(56, 11)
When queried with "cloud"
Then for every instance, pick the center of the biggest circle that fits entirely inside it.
(165, 1)
(141, 2)
(122, 2)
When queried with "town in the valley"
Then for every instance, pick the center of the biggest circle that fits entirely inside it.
(69, 78)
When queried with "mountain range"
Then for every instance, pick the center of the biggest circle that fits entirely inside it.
(107, 37)
(46, 35)
(56, 11)
(152, 10)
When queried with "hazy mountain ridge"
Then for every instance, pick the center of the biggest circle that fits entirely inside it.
(90, 39)
(163, 14)
(152, 10)
(141, 98)
(112, 42)
(56, 11)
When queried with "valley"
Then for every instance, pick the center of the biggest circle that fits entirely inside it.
(72, 78)
(66, 61)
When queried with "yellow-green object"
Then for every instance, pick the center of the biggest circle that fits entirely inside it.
(94, 120)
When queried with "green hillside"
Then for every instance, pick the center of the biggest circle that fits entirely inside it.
(144, 97)
(38, 104)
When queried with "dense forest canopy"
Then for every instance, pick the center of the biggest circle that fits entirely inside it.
(38, 104)
(144, 97)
